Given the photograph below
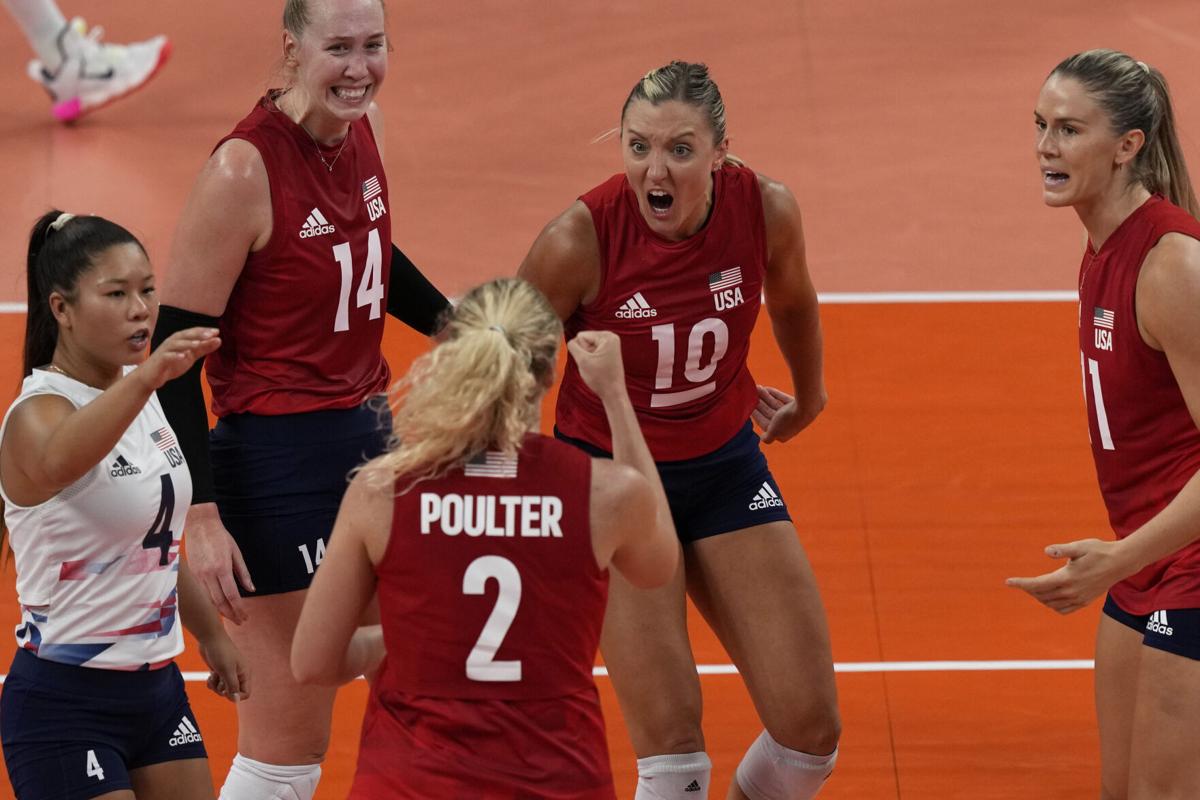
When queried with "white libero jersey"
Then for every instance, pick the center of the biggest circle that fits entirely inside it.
(97, 563)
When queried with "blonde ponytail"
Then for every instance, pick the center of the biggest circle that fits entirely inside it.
(480, 388)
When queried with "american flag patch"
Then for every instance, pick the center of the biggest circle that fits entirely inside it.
(1102, 317)
(163, 438)
(491, 464)
(724, 279)
(371, 188)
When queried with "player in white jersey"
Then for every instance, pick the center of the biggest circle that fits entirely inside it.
(95, 493)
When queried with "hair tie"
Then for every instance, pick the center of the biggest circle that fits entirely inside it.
(1145, 68)
(62, 219)
(498, 329)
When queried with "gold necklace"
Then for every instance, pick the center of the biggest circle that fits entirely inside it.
(320, 155)
(56, 368)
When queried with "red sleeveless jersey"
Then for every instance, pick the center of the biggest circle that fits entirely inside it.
(1144, 441)
(491, 603)
(304, 322)
(684, 312)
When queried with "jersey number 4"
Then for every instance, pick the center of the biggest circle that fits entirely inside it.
(370, 285)
(481, 662)
(160, 534)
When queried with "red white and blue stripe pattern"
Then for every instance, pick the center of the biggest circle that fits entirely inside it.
(725, 279)
(163, 438)
(371, 188)
(491, 464)
(1102, 317)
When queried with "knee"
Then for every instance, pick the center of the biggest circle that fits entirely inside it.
(816, 729)
(671, 739)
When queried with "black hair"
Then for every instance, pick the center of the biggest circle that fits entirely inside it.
(61, 249)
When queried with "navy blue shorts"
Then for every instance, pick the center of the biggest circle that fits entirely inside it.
(280, 479)
(726, 490)
(76, 732)
(1175, 630)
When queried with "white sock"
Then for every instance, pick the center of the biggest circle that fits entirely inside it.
(41, 22)
(770, 771)
(253, 780)
(682, 776)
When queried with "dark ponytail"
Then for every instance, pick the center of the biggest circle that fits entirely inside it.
(61, 248)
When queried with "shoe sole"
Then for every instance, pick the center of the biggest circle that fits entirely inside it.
(73, 109)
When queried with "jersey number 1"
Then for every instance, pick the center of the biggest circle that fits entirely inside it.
(370, 286)
(1093, 369)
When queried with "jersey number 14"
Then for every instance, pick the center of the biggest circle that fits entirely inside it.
(370, 285)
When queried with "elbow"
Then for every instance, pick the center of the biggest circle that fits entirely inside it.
(309, 668)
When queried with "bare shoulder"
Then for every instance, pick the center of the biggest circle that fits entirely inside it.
(36, 416)
(1168, 291)
(569, 236)
(227, 215)
(778, 201)
(236, 166)
(375, 116)
(564, 260)
(30, 426)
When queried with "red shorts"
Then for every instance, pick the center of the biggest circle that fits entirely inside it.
(425, 747)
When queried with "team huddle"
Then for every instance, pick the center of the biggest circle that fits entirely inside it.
(423, 533)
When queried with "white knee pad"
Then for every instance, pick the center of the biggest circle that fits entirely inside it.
(770, 771)
(675, 777)
(253, 780)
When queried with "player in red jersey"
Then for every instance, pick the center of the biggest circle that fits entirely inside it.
(673, 257)
(286, 245)
(488, 544)
(1107, 147)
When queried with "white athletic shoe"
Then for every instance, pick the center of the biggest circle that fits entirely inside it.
(93, 74)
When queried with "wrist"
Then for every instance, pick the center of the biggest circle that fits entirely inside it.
(1129, 556)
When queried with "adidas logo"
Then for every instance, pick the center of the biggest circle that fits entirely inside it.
(186, 733)
(766, 498)
(122, 468)
(1158, 624)
(315, 225)
(694, 786)
(636, 307)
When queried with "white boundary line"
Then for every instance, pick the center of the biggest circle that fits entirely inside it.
(869, 666)
(858, 666)
(866, 298)
(870, 298)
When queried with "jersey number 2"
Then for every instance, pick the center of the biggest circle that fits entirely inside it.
(481, 662)
(370, 286)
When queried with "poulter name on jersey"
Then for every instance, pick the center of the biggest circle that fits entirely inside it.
(504, 515)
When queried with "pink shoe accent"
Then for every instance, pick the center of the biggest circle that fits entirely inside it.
(70, 110)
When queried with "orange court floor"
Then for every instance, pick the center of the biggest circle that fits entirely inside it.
(954, 446)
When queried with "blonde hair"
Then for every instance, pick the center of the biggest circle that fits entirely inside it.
(688, 83)
(1135, 97)
(480, 388)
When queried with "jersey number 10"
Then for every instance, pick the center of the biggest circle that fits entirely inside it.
(370, 286)
(693, 373)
